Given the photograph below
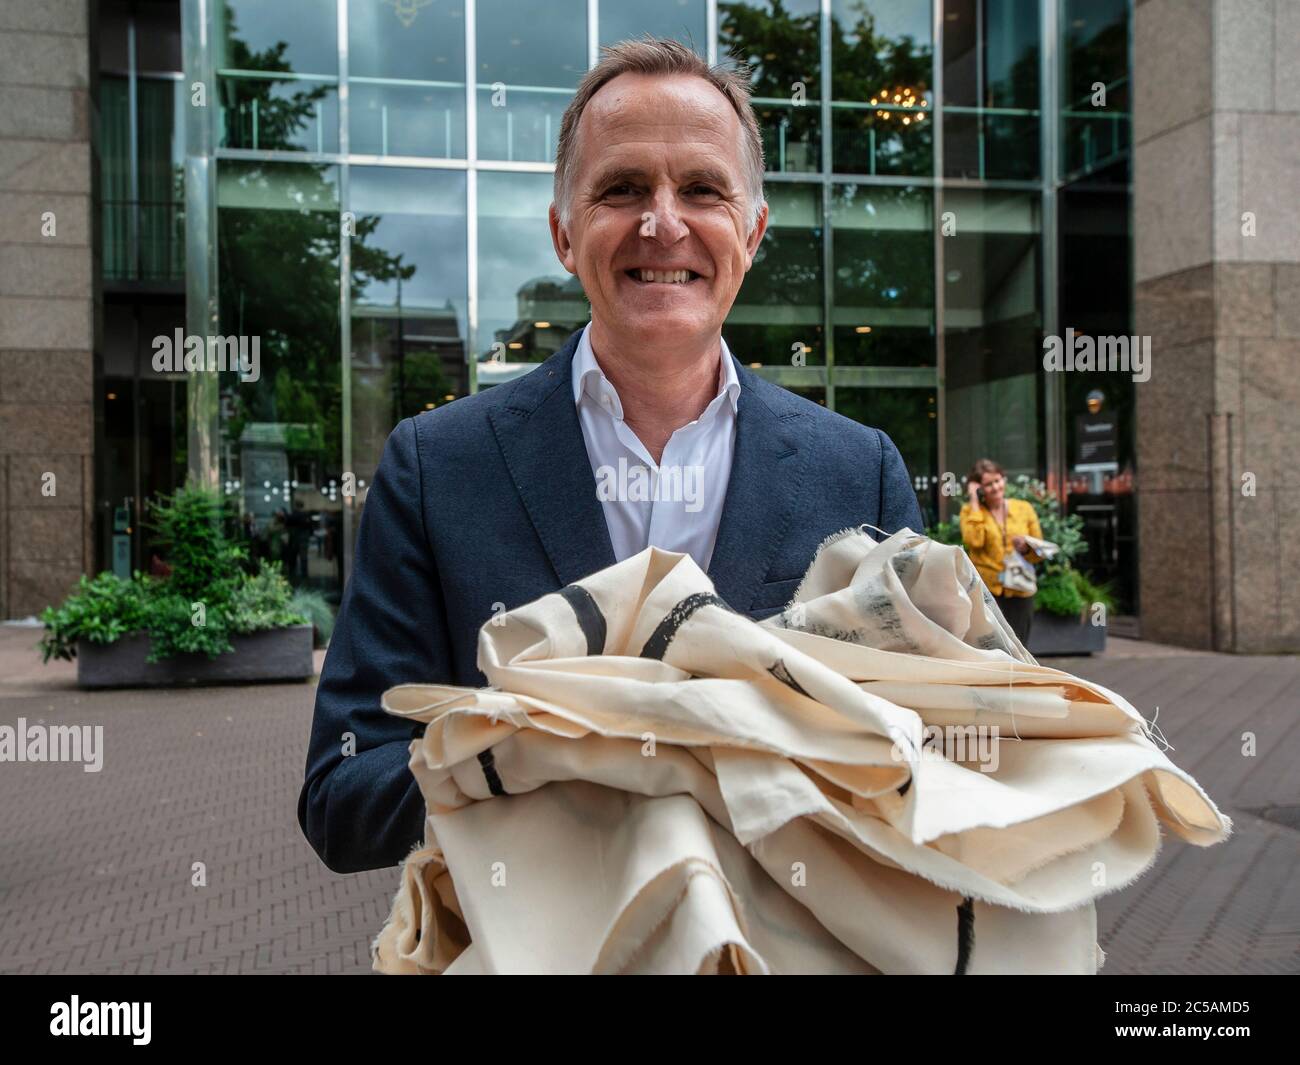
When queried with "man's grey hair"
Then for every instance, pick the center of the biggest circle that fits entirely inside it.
(661, 56)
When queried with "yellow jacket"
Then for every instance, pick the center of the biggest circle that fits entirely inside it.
(982, 536)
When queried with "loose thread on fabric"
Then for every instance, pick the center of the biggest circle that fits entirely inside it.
(1154, 733)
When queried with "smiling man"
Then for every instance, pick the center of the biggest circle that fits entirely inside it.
(643, 429)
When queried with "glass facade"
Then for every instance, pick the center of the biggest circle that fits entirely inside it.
(139, 127)
(1094, 211)
(381, 173)
(281, 447)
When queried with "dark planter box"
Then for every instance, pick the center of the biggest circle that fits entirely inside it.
(1052, 634)
(276, 654)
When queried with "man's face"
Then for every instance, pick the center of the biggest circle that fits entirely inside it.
(659, 186)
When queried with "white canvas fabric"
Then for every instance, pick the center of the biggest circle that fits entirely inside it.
(656, 784)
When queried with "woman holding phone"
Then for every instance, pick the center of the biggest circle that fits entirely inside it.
(991, 527)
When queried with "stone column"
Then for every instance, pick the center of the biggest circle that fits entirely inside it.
(1217, 256)
(46, 302)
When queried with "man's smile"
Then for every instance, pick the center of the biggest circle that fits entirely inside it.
(644, 276)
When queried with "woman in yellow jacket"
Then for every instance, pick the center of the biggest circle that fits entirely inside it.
(991, 525)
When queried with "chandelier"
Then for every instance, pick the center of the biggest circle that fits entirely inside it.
(895, 101)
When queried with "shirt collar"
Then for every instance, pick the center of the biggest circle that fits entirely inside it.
(590, 379)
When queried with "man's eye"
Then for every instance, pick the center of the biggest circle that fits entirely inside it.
(623, 189)
(702, 190)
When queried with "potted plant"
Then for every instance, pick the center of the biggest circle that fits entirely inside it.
(209, 619)
(1070, 610)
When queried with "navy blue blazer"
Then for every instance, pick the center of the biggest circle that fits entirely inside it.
(488, 503)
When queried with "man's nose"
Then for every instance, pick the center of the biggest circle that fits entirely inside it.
(662, 220)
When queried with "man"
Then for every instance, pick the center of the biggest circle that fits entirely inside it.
(642, 429)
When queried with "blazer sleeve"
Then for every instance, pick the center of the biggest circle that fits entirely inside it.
(898, 504)
(363, 810)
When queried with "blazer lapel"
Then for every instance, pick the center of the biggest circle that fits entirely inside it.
(760, 503)
(541, 439)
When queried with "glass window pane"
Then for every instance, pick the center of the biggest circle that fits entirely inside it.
(884, 276)
(301, 37)
(1094, 228)
(161, 140)
(909, 416)
(281, 435)
(682, 20)
(780, 41)
(993, 329)
(142, 238)
(881, 72)
(114, 15)
(409, 301)
(274, 115)
(531, 54)
(297, 111)
(115, 178)
(528, 304)
(778, 312)
(991, 89)
(406, 71)
(1095, 129)
(157, 36)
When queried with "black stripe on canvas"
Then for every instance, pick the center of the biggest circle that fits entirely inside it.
(590, 619)
(965, 935)
(490, 774)
(657, 645)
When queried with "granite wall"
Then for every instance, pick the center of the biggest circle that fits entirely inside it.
(1217, 256)
(47, 302)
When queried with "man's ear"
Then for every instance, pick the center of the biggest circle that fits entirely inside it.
(560, 238)
(755, 237)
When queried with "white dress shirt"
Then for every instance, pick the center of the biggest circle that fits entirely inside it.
(677, 504)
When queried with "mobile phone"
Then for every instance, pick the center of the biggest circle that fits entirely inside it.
(979, 494)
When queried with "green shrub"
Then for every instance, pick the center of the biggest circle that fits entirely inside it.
(190, 525)
(263, 600)
(315, 607)
(170, 623)
(1059, 594)
(1094, 593)
(208, 584)
(103, 610)
(947, 532)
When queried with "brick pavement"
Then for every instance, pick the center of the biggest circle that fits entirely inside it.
(95, 869)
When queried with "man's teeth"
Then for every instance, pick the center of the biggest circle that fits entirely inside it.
(675, 277)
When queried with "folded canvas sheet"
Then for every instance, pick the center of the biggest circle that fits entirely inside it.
(653, 783)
